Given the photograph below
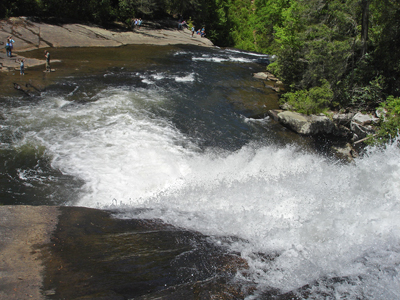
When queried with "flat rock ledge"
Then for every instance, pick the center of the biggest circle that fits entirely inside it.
(30, 35)
(23, 231)
(50, 252)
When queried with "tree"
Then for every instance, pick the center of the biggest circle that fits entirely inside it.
(364, 28)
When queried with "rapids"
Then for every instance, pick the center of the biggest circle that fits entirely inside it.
(164, 136)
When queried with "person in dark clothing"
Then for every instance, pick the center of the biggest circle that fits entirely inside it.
(47, 56)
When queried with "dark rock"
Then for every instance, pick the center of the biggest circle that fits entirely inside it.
(343, 119)
(273, 114)
(104, 257)
(346, 153)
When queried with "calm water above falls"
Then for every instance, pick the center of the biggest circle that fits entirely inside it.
(160, 132)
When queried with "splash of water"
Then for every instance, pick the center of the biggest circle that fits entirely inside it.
(297, 218)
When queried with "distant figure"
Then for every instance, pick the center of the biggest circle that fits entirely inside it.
(47, 56)
(8, 47)
(134, 23)
(203, 32)
(193, 30)
(22, 67)
(139, 23)
(11, 43)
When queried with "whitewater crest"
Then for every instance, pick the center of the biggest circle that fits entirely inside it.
(166, 144)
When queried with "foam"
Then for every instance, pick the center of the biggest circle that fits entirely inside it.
(319, 219)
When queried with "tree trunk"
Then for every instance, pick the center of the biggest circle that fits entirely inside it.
(364, 26)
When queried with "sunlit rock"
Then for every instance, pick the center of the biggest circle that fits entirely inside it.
(364, 119)
(306, 125)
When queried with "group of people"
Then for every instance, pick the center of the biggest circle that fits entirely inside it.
(136, 23)
(182, 24)
(201, 32)
(9, 46)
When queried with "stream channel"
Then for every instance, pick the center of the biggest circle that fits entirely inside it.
(166, 133)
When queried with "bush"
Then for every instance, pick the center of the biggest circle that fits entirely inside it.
(390, 123)
(313, 101)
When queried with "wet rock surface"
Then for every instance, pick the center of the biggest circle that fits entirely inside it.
(92, 255)
(24, 230)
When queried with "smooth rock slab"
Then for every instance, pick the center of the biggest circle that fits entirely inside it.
(82, 253)
(306, 125)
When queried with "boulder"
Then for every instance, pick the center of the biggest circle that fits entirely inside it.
(273, 114)
(361, 125)
(306, 125)
(345, 153)
(265, 76)
(343, 119)
(260, 75)
(361, 131)
(364, 119)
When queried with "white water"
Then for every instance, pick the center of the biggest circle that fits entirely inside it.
(320, 218)
(296, 217)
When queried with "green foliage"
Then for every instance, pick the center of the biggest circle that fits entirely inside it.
(368, 95)
(390, 123)
(316, 41)
(313, 101)
(126, 10)
(18, 8)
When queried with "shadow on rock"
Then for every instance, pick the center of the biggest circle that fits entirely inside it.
(95, 256)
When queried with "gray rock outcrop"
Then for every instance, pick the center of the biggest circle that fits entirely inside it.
(306, 125)
(353, 127)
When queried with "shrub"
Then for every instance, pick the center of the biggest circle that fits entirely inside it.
(390, 123)
(313, 101)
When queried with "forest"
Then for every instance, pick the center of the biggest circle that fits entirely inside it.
(331, 54)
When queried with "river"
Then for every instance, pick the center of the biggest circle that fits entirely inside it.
(166, 133)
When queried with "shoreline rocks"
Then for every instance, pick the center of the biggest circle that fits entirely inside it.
(277, 84)
(30, 34)
(354, 127)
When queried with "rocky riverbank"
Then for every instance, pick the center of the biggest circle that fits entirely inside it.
(353, 127)
(30, 34)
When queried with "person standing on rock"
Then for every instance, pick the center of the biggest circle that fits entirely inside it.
(193, 30)
(22, 67)
(8, 47)
(11, 45)
(47, 56)
(134, 23)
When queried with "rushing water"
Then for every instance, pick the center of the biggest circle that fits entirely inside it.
(164, 132)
